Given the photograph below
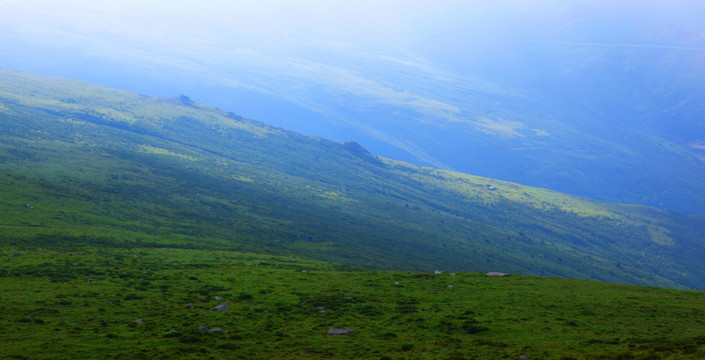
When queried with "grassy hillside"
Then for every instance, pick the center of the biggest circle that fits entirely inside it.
(84, 165)
(81, 302)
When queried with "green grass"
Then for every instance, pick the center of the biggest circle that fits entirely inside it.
(123, 207)
(119, 169)
(82, 303)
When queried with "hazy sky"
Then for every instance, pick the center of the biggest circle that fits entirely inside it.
(452, 36)
(425, 57)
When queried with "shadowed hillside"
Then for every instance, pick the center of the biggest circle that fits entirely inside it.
(82, 164)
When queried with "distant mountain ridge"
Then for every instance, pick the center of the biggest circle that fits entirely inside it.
(106, 166)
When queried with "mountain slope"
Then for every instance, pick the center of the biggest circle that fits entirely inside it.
(582, 97)
(82, 164)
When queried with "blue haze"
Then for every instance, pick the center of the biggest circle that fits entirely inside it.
(597, 98)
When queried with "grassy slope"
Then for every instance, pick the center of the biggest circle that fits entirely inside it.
(82, 302)
(104, 166)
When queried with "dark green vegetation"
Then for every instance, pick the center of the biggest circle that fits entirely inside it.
(116, 207)
(83, 302)
(104, 167)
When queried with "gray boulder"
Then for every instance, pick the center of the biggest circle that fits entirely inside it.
(205, 329)
(339, 331)
(494, 273)
(221, 307)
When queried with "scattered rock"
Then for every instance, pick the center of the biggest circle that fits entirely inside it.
(139, 321)
(339, 331)
(218, 298)
(172, 331)
(494, 273)
(78, 253)
(523, 356)
(349, 298)
(396, 283)
(437, 272)
(29, 206)
(16, 254)
(450, 285)
(90, 280)
(205, 329)
(221, 307)
(452, 274)
(322, 311)
(189, 305)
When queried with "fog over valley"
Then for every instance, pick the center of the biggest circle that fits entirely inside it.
(594, 98)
